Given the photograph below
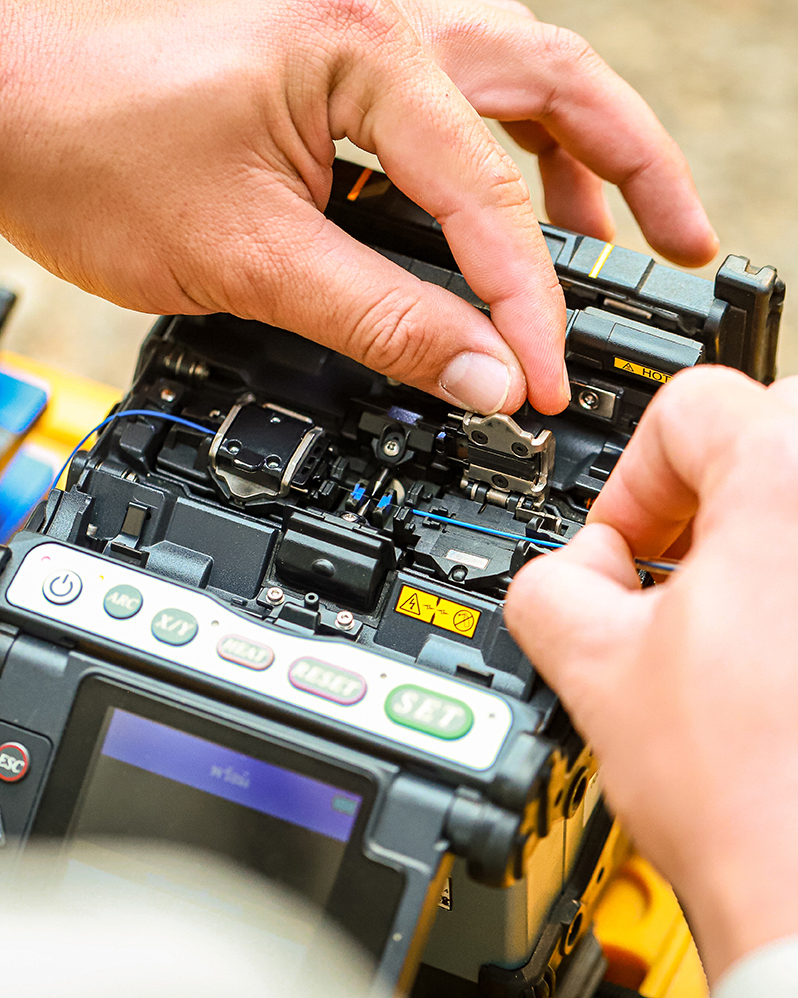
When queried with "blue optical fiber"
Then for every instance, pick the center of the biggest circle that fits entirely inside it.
(357, 493)
(154, 413)
(658, 566)
(483, 530)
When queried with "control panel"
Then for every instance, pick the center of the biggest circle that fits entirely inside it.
(333, 678)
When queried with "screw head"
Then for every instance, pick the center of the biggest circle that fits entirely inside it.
(520, 449)
(344, 620)
(588, 399)
(168, 394)
(350, 517)
(275, 595)
(391, 447)
(500, 481)
(479, 437)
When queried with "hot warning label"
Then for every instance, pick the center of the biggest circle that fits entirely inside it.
(438, 611)
(642, 371)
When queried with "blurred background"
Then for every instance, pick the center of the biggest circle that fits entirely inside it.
(722, 76)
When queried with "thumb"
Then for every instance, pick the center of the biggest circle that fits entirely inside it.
(576, 613)
(318, 281)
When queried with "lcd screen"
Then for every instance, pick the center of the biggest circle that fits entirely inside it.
(137, 770)
(152, 782)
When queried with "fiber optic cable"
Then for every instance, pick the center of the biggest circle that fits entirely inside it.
(123, 414)
(658, 565)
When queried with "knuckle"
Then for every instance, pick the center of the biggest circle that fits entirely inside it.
(373, 21)
(563, 47)
(507, 187)
(391, 337)
(503, 185)
(566, 54)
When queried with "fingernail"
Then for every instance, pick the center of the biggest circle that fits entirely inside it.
(477, 381)
(566, 381)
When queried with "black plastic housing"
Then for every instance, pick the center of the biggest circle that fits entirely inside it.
(316, 500)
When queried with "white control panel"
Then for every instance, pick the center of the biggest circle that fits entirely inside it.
(334, 678)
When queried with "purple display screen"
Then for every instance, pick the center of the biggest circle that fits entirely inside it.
(272, 790)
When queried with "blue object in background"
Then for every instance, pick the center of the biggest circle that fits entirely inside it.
(25, 480)
(29, 474)
(21, 404)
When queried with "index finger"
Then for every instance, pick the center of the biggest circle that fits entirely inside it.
(687, 444)
(437, 150)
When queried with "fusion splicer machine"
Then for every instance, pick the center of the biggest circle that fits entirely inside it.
(264, 617)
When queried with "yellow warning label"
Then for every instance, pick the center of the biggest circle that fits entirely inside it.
(438, 611)
(641, 371)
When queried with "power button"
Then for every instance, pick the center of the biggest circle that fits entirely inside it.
(62, 587)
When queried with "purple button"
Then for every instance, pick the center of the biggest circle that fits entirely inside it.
(327, 681)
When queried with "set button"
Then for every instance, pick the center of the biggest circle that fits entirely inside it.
(122, 602)
(327, 681)
(432, 713)
(62, 587)
(174, 626)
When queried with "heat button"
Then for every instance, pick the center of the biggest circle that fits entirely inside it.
(432, 713)
(14, 762)
(327, 681)
(241, 651)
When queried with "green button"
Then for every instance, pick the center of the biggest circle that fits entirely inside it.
(122, 602)
(432, 713)
(173, 626)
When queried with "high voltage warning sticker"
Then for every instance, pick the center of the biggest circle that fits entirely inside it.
(641, 371)
(438, 611)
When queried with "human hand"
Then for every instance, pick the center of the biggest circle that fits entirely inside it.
(688, 691)
(175, 156)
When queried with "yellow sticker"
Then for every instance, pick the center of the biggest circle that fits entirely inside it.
(438, 611)
(643, 372)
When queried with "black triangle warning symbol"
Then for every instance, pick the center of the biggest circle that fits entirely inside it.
(411, 605)
(628, 367)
